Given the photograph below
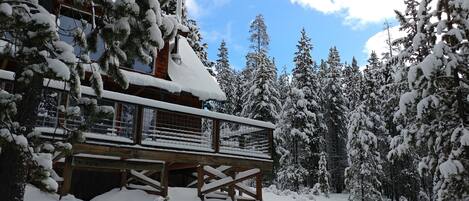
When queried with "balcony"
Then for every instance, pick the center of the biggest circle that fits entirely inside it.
(144, 123)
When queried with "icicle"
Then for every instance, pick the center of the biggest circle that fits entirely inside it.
(93, 16)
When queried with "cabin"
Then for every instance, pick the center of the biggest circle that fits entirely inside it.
(160, 135)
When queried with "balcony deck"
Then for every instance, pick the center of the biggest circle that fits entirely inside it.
(153, 130)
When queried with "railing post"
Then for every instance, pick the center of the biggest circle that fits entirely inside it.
(271, 142)
(139, 125)
(216, 135)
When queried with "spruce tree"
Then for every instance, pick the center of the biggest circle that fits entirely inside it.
(335, 110)
(226, 79)
(352, 82)
(259, 77)
(261, 99)
(283, 84)
(438, 97)
(40, 54)
(323, 175)
(292, 141)
(305, 80)
(362, 175)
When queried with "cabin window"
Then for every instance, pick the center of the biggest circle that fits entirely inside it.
(70, 20)
(47, 110)
(6, 85)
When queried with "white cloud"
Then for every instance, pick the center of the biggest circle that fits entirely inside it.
(377, 42)
(355, 12)
(192, 7)
(198, 8)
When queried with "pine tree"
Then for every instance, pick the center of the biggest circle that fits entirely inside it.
(40, 54)
(291, 141)
(259, 38)
(305, 80)
(362, 175)
(261, 99)
(283, 83)
(335, 118)
(405, 180)
(226, 79)
(352, 82)
(438, 97)
(259, 77)
(323, 175)
(194, 38)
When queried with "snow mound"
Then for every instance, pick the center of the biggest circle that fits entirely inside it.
(176, 194)
(127, 195)
(34, 194)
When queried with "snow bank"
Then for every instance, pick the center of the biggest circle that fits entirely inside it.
(126, 195)
(175, 194)
(34, 194)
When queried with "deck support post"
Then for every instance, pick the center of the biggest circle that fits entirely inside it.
(200, 181)
(67, 176)
(259, 187)
(124, 178)
(164, 179)
(231, 188)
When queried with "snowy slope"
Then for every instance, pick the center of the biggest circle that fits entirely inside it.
(175, 194)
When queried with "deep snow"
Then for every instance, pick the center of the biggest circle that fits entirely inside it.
(175, 194)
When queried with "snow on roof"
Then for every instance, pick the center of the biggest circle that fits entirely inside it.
(192, 75)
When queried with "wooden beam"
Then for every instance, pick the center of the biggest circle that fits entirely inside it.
(229, 182)
(182, 166)
(169, 156)
(216, 135)
(165, 180)
(259, 187)
(100, 163)
(123, 178)
(200, 181)
(138, 125)
(67, 176)
(231, 188)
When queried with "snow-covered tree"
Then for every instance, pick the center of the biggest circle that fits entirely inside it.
(195, 40)
(260, 95)
(226, 79)
(283, 83)
(436, 69)
(259, 38)
(305, 80)
(291, 137)
(364, 170)
(261, 99)
(352, 84)
(128, 31)
(323, 175)
(335, 110)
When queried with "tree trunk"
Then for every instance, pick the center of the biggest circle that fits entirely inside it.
(12, 174)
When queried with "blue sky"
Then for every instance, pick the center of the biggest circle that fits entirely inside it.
(347, 24)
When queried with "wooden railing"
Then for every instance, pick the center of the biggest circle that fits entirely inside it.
(164, 125)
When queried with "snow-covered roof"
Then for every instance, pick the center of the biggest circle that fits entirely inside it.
(192, 75)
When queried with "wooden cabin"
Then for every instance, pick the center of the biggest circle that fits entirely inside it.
(160, 135)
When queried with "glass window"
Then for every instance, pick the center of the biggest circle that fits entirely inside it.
(47, 111)
(70, 22)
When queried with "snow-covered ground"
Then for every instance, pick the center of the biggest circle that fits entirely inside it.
(175, 194)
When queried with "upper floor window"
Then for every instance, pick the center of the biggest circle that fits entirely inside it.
(72, 22)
